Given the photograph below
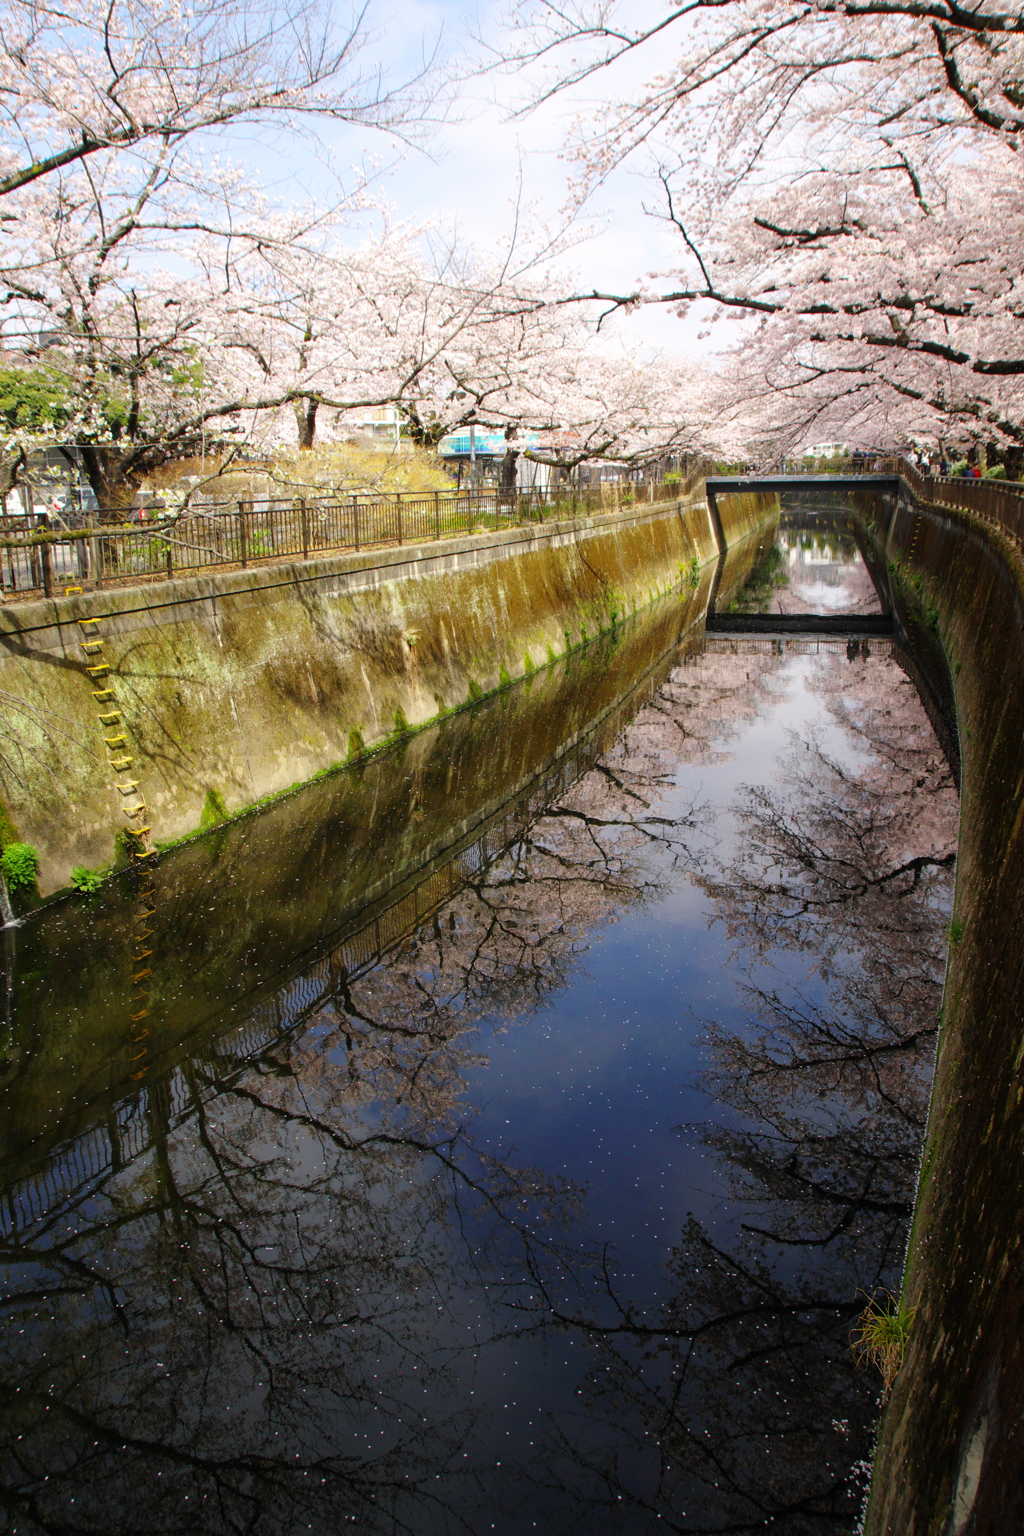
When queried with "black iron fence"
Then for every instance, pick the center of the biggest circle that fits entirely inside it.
(114, 550)
(119, 549)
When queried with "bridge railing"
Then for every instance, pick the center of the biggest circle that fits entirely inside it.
(852, 464)
(119, 549)
(999, 501)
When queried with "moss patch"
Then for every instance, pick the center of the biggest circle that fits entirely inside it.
(214, 810)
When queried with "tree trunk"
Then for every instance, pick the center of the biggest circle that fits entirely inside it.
(305, 418)
(508, 471)
(113, 486)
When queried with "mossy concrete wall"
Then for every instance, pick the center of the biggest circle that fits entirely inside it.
(739, 513)
(234, 686)
(950, 1459)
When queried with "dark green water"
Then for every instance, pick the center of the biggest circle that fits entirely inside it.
(515, 1124)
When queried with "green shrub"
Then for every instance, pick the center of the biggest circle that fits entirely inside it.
(997, 472)
(85, 881)
(356, 745)
(20, 865)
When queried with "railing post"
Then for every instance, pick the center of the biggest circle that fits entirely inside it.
(45, 555)
(437, 514)
(243, 535)
(305, 529)
(96, 556)
(355, 520)
(398, 509)
(170, 559)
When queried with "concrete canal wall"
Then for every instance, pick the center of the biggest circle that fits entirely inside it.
(232, 687)
(950, 1459)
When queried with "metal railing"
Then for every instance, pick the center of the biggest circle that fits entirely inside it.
(41, 560)
(142, 547)
(997, 501)
(854, 464)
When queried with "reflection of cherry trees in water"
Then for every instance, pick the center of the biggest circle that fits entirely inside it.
(274, 1321)
(282, 1319)
(739, 1395)
(272, 1325)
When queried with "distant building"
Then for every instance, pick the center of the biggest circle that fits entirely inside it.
(379, 422)
(488, 448)
(485, 443)
(826, 451)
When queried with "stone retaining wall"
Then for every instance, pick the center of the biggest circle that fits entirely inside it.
(232, 687)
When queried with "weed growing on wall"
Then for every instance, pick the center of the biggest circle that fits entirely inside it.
(214, 810)
(20, 865)
(880, 1338)
(86, 881)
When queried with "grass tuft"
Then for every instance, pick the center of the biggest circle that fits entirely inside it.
(20, 865)
(880, 1337)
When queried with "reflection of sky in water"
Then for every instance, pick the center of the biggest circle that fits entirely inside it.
(822, 573)
(594, 1086)
(597, 1085)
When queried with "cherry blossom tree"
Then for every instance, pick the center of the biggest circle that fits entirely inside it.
(452, 338)
(83, 79)
(118, 207)
(175, 303)
(844, 173)
(252, 324)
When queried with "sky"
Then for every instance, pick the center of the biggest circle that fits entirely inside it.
(476, 166)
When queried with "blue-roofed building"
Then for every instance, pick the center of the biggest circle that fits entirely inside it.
(489, 444)
(458, 450)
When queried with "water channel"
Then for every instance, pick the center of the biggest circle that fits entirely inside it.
(517, 1122)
